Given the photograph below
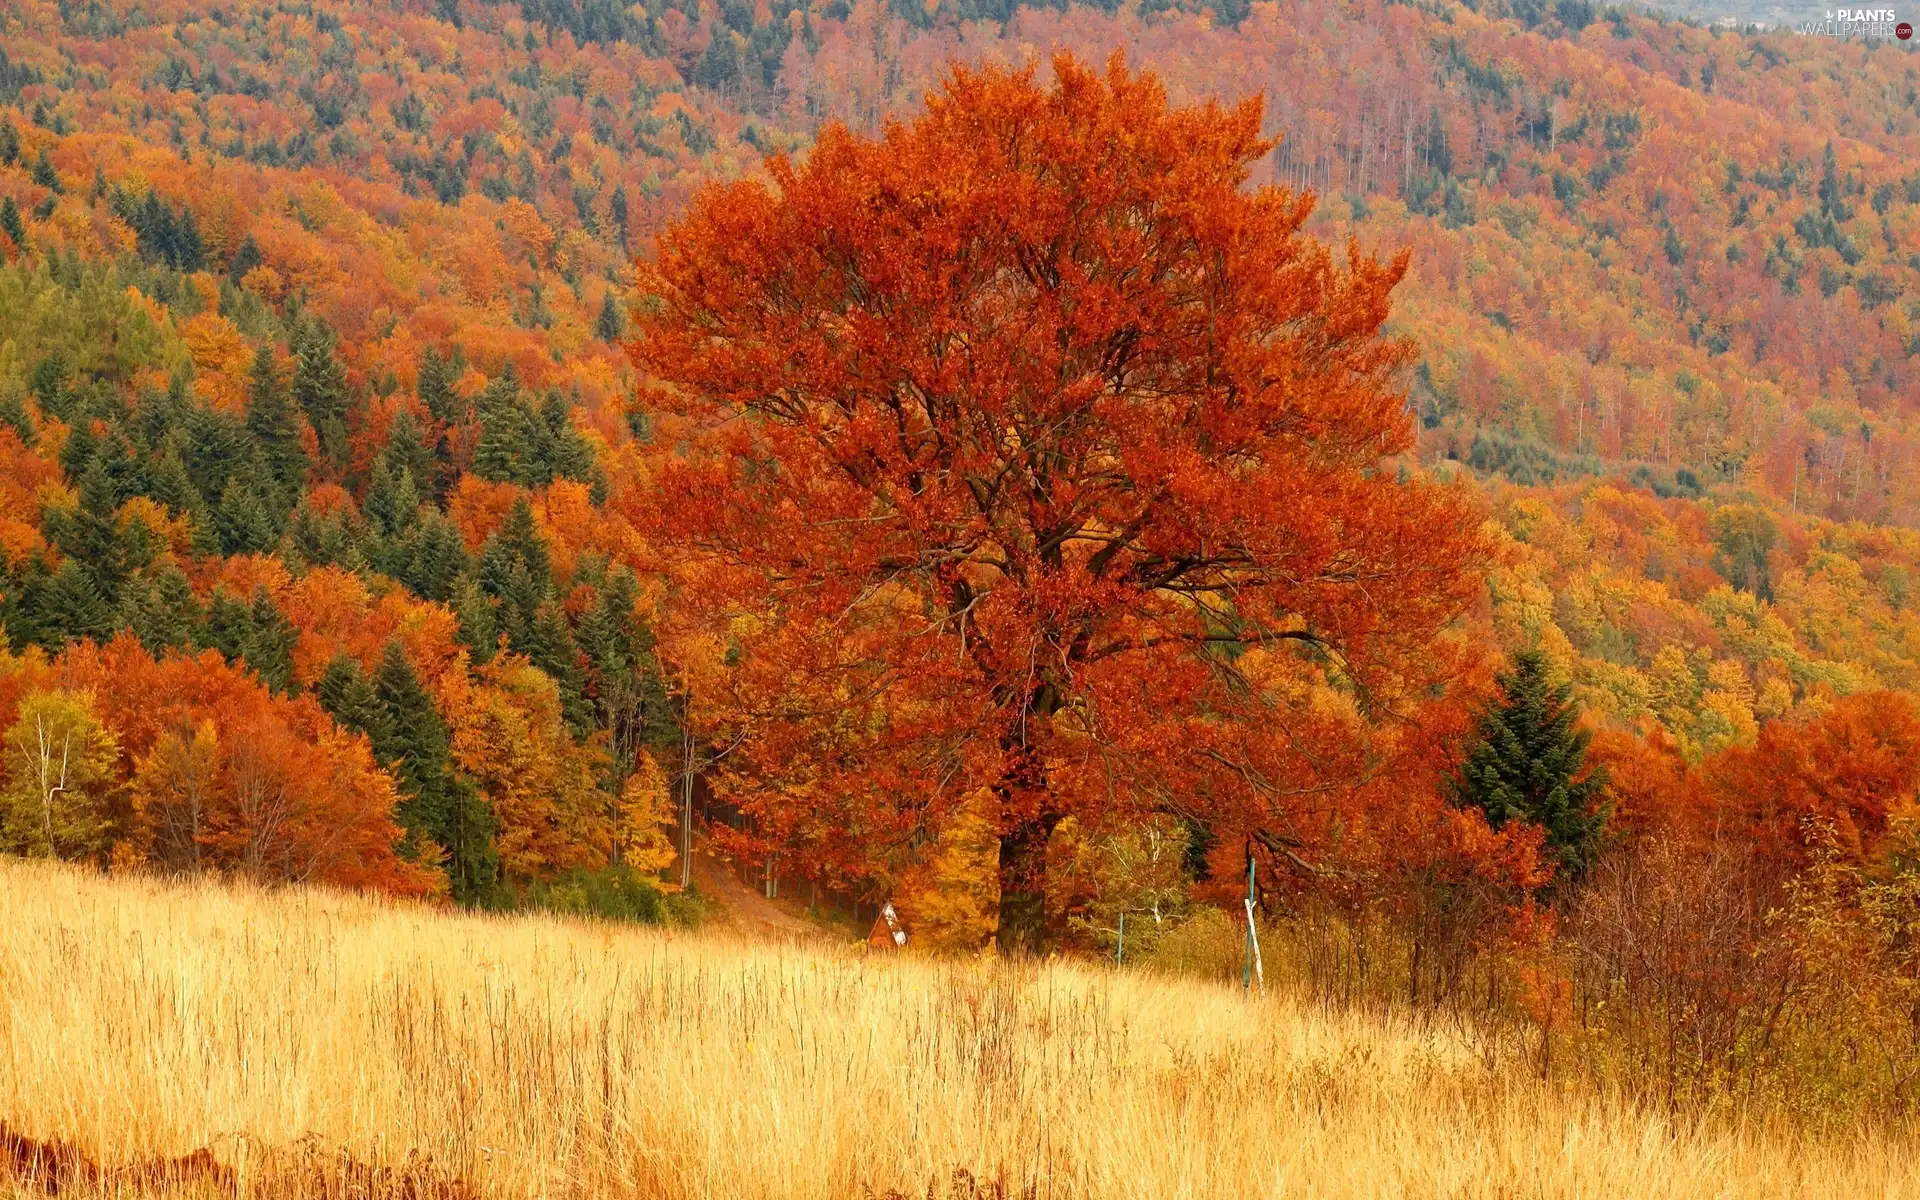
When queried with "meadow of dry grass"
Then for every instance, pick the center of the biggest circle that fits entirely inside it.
(380, 1044)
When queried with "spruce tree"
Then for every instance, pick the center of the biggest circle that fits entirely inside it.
(90, 535)
(11, 225)
(435, 387)
(608, 327)
(550, 647)
(439, 806)
(164, 614)
(448, 411)
(435, 557)
(346, 692)
(217, 446)
(515, 567)
(275, 426)
(23, 592)
(629, 693)
(1528, 763)
(167, 480)
(116, 459)
(566, 453)
(392, 504)
(322, 539)
(269, 642)
(512, 440)
(320, 388)
(243, 522)
(245, 259)
(617, 208)
(44, 175)
(78, 453)
(407, 449)
(13, 415)
(74, 608)
(47, 382)
(228, 626)
(479, 628)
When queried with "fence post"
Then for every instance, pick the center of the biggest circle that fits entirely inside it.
(1120, 947)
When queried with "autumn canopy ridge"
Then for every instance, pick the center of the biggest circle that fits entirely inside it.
(1037, 462)
(878, 599)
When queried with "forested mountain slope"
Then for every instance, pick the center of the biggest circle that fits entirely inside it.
(312, 393)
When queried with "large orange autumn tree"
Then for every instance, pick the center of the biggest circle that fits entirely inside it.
(1024, 456)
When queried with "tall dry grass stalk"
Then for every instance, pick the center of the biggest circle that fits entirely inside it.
(532, 1057)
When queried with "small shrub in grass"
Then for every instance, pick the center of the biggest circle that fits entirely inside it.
(1210, 943)
(613, 893)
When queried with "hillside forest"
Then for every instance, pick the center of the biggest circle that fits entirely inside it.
(381, 506)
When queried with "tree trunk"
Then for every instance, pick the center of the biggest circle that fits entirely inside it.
(1027, 817)
(1023, 888)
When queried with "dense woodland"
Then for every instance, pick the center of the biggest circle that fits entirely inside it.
(339, 501)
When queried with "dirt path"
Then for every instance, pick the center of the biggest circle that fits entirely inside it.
(739, 906)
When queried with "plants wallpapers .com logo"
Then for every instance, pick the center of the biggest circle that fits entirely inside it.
(1877, 23)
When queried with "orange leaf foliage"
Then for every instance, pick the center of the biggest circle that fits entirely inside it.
(1003, 422)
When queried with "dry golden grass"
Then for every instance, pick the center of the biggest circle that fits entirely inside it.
(142, 1020)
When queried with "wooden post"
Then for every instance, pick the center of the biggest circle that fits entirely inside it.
(1246, 969)
(686, 795)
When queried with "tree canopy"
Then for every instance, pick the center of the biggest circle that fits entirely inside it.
(1023, 427)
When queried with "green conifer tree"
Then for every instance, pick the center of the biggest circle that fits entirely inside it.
(164, 614)
(628, 690)
(435, 388)
(550, 647)
(322, 539)
(245, 259)
(435, 557)
(11, 224)
(608, 326)
(82, 443)
(275, 426)
(479, 629)
(439, 807)
(448, 411)
(23, 608)
(513, 441)
(617, 208)
(392, 505)
(243, 521)
(44, 175)
(167, 480)
(516, 568)
(217, 446)
(407, 449)
(74, 608)
(269, 643)
(320, 388)
(90, 535)
(565, 453)
(228, 625)
(1528, 763)
(346, 692)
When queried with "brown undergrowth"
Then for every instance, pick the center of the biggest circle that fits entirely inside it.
(304, 1171)
(58, 1167)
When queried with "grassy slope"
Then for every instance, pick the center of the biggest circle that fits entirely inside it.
(535, 1057)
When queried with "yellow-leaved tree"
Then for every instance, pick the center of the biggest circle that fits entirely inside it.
(951, 898)
(646, 810)
(60, 777)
